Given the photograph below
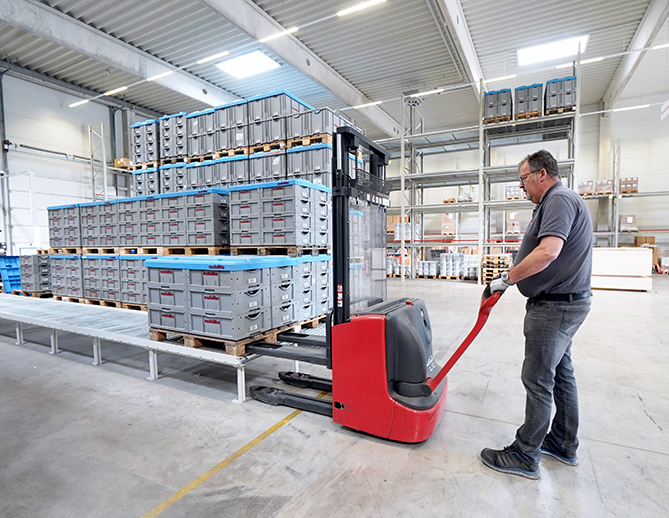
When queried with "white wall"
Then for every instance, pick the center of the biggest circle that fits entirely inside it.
(40, 117)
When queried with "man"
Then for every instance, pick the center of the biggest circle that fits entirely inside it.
(553, 269)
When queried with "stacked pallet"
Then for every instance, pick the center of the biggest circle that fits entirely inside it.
(494, 264)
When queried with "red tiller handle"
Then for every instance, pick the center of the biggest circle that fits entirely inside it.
(484, 312)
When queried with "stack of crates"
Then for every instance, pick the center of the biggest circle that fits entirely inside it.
(528, 100)
(146, 181)
(129, 222)
(145, 141)
(134, 278)
(498, 106)
(231, 122)
(232, 170)
(278, 213)
(207, 217)
(267, 166)
(102, 277)
(10, 273)
(99, 224)
(173, 136)
(311, 163)
(64, 226)
(67, 275)
(35, 273)
(202, 134)
(314, 122)
(560, 95)
(174, 178)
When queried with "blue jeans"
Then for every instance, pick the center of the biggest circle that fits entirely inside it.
(549, 374)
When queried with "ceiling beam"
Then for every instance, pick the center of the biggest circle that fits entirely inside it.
(52, 25)
(454, 17)
(650, 25)
(257, 23)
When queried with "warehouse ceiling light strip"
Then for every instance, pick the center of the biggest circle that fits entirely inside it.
(583, 62)
(359, 7)
(503, 78)
(160, 76)
(367, 105)
(116, 91)
(550, 51)
(78, 103)
(292, 30)
(248, 65)
(212, 58)
(428, 92)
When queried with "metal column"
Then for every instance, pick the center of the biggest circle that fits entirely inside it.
(482, 145)
(241, 385)
(615, 204)
(98, 163)
(153, 365)
(54, 342)
(4, 180)
(97, 352)
(19, 333)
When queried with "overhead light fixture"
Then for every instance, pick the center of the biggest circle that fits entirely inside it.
(292, 30)
(657, 47)
(212, 58)
(428, 92)
(116, 91)
(366, 105)
(638, 107)
(503, 78)
(359, 7)
(551, 51)
(159, 76)
(248, 64)
(78, 103)
(583, 62)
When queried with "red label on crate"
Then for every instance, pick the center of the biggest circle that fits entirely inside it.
(278, 219)
(174, 212)
(211, 297)
(166, 315)
(166, 271)
(244, 206)
(215, 267)
(212, 321)
(281, 204)
(166, 294)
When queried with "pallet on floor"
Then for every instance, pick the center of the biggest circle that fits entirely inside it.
(492, 120)
(98, 250)
(553, 111)
(322, 138)
(105, 303)
(78, 300)
(267, 147)
(136, 307)
(65, 251)
(528, 115)
(292, 251)
(427, 276)
(450, 277)
(35, 294)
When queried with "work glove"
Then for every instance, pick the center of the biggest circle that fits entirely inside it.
(498, 284)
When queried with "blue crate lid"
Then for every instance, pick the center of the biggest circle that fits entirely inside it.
(231, 158)
(147, 170)
(528, 86)
(202, 112)
(137, 256)
(296, 181)
(279, 92)
(261, 154)
(314, 258)
(233, 103)
(99, 256)
(562, 79)
(69, 206)
(356, 266)
(174, 166)
(144, 123)
(221, 262)
(65, 256)
(311, 147)
(499, 91)
(164, 117)
(196, 191)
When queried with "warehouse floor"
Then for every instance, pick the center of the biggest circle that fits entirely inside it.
(84, 441)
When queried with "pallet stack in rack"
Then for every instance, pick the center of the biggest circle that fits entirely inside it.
(494, 264)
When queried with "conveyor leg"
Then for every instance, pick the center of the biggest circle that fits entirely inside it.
(153, 365)
(97, 352)
(296, 366)
(241, 385)
(19, 333)
(54, 341)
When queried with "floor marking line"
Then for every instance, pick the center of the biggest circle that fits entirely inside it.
(206, 476)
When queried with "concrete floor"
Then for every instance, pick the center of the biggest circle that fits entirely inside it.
(84, 441)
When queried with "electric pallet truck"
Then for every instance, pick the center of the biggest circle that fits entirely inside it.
(385, 381)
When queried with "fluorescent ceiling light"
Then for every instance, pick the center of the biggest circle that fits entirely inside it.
(366, 105)
(638, 107)
(212, 58)
(665, 46)
(248, 64)
(583, 62)
(78, 103)
(503, 78)
(551, 51)
(428, 92)
(359, 7)
(116, 91)
(158, 76)
(292, 30)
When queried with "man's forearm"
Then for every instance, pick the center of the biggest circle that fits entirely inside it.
(537, 260)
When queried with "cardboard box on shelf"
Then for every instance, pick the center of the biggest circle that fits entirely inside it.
(644, 240)
(604, 187)
(628, 223)
(495, 250)
(514, 192)
(586, 187)
(628, 185)
(449, 200)
(447, 224)
(123, 163)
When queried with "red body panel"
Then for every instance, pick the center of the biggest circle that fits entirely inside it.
(360, 386)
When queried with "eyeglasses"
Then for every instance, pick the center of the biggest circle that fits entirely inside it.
(521, 179)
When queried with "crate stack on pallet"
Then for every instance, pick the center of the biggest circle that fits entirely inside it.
(35, 275)
(528, 101)
(494, 264)
(498, 106)
(146, 142)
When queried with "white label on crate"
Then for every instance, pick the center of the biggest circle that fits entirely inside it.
(253, 327)
(285, 297)
(285, 317)
(239, 136)
(253, 304)
(252, 280)
(275, 161)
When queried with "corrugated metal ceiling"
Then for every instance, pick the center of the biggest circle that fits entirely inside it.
(383, 51)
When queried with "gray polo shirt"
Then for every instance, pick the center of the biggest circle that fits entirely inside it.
(561, 213)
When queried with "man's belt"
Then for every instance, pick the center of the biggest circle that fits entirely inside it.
(561, 297)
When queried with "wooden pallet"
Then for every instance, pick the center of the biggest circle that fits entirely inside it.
(44, 251)
(515, 198)
(506, 118)
(322, 138)
(587, 193)
(99, 251)
(528, 115)
(65, 251)
(552, 111)
(145, 165)
(629, 191)
(105, 303)
(174, 160)
(451, 277)
(35, 294)
(136, 307)
(267, 147)
(292, 251)
(189, 250)
(78, 300)
(427, 276)
(449, 200)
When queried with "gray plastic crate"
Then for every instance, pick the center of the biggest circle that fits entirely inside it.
(150, 202)
(246, 238)
(167, 295)
(132, 285)
(111, 284)
(93, 292)
(287, 222)
(150, 214)
(287, 237)
(198, 225)
(172, 213)
(210, 211)
(245, 208)
(232, 115)
(132, 297)
(321, 225)
(150, 228)
(166, 276)
(151, 240)
(231, 302)
(232, 138)
(236, 327)
(282, 293)
(282, 315)
(245, 223)
(208, 238)
(130, 240)
(304, 282)
(173, 226)
(267, 131)
(286, 206)
(167, 318)
(303, 311)
(129, 228)
(173, 201)
(273, 106)
(111, 294)
(238, 196)
(227, 280)
(322, 239)
(87, 230)
(175, 240)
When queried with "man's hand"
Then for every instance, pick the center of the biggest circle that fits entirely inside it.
(498, 284)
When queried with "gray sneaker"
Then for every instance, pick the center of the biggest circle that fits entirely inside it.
(550, 447)
(511, 460)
